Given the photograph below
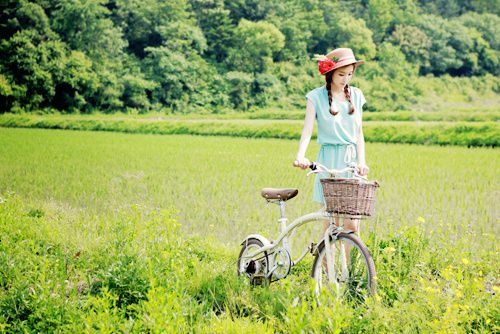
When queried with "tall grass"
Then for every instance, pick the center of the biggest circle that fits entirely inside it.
(213, 183)
(440, 133)
(456, 114)
(134, 272)
(109, 232)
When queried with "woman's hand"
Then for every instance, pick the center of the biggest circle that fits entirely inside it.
(302, 162)
(362, 169)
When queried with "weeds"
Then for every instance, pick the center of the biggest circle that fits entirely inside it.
(93, 254)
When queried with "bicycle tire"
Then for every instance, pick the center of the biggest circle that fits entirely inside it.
(257, 276)
(361, 280)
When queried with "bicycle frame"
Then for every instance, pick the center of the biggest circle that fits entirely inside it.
(263, 260)
(287, 229)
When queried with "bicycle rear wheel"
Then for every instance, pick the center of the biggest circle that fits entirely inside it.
(256, 268)
(354, 276)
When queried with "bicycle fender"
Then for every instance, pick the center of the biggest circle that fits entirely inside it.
(321, 244)
(259, 237)
(334, 234)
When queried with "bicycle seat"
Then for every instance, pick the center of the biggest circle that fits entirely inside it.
(283, 194)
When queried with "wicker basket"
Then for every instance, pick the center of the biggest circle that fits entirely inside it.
(349, 196)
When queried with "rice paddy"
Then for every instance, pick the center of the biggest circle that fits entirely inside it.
(106, 195)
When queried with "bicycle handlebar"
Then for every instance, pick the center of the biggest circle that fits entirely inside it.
(316, 167)
(312, 165)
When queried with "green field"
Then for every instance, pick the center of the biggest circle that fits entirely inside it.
(114, 232)
(410, 129)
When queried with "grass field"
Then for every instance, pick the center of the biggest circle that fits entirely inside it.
(410, 130)
(112, 232)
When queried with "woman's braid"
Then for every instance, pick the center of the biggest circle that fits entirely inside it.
(328, 78)
(348, 97)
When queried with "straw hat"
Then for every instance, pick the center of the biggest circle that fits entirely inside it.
(337, 58)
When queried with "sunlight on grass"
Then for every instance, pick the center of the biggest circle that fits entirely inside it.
(140, 233)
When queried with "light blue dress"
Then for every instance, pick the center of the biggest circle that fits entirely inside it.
(338, 134)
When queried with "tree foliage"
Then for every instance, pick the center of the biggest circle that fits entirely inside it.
(192, 55)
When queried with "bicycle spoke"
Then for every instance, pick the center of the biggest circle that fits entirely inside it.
(350, 271)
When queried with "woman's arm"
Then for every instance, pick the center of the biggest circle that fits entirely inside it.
(360, 145)
(305, 137)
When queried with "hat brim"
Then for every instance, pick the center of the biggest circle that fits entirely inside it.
(346, 63)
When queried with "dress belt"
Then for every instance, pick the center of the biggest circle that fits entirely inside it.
(350, 151)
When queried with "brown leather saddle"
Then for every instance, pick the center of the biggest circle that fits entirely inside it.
(283, 194)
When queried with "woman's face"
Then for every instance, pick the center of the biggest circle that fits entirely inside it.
(342, 76)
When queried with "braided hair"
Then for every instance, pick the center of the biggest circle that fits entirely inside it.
(328, 79)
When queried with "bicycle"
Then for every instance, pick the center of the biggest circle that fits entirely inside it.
(343, 264)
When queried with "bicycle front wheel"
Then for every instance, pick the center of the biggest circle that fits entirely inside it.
(353, 274)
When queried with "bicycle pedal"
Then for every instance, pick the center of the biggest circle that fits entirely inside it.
(258, 279)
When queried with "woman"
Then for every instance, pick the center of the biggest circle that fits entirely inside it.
(337, 107)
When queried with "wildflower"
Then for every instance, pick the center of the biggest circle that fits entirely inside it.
(464, 307)
(431, 290)
(465, 261)
(421, 219)
(389, 250)
(447, 273)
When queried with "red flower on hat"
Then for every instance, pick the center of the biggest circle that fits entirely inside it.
(327, 65)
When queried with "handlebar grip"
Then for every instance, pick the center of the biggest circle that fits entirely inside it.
(312, 165)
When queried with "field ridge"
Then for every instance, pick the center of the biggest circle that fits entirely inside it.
(424, 133)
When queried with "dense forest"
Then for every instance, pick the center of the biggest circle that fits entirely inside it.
(211, 55)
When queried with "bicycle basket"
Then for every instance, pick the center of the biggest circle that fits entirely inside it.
(349, 196)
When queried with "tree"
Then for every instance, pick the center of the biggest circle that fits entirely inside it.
(255, 44)
(301, 23)
(51, 74)
(394, 63)
(380, 17)
(485, 6)
(85, 26)
(413, 42)
(75, 84)
(152, 23)
(442, 56)
(216, 25)
(346, 31)
(456, 49)
(445, 8)
(487, 24)
(253, 10)
(452, 8)
(267, 88)
(240, 87)
(390, 79)
(184, 81)
(136, 88)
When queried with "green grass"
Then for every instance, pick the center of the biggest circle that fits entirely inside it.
(140, 233)
(440, 133)
(459, 113)
(485, 114)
